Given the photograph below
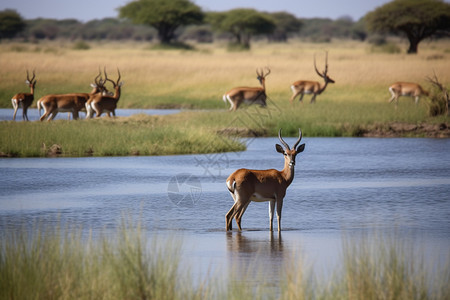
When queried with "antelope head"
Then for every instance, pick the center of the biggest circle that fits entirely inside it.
(290, 154)
(323, 74)
(261, 76)
(29, 81)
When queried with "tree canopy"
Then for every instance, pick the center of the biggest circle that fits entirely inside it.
(285, 23)
(11, 23)
(166, 16)
(416, 19)
(242, 24)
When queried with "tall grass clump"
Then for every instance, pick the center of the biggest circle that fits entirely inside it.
(63, 263)
(372, 268)
(47, 262)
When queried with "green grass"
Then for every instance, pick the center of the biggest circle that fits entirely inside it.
(138, 135)
(50, 262)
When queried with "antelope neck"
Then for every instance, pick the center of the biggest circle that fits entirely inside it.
(288, 171)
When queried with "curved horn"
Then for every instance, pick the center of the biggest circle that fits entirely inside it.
(268, 71)
(299, 138)
(282, 141)
(118, 79)
(34, 75)
(315, 67)
(106, 77)
(96, 77)
(28, 77)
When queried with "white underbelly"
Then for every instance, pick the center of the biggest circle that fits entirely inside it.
(259, 198)
(64, 110)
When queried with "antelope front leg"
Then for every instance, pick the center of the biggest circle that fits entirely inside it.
(271, 211)
(16, 107)
(279, 207)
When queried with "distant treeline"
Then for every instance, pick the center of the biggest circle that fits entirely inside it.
(315, 29)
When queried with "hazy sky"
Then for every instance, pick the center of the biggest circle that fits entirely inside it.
(86, 10)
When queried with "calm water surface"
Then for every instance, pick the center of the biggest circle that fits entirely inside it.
(6, 114)
(342, 186)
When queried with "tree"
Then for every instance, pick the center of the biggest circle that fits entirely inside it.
(11, 23)
(416, 19)
(285, 23)
(166, 16)
(242, 24)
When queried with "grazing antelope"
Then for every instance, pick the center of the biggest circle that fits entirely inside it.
(24, 99)
(71, 103)
(248, 95)
(103, 103)
(406, 89)
(262, 185)
(303, 87)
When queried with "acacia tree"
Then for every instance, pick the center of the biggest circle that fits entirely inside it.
(11, 23)
(242, 24)
(416, 19)
(166, 16)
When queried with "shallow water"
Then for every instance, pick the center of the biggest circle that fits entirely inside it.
(6, 114)
(342, 187)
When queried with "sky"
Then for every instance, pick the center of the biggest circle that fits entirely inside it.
(87, 10)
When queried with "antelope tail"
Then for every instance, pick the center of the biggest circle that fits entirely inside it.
(231, 185)
(39, 106)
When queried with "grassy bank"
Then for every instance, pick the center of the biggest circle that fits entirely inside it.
(202, 131)
(49, 263)
(138, 135)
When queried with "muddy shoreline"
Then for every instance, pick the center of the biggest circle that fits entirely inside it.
(396, 129)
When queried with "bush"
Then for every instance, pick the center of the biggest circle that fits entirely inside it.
(438, 103)
(387, 47)
(81, 45)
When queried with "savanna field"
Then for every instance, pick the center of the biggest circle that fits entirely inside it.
(195, 80)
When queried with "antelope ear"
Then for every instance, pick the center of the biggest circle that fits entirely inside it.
(300, 148)
(279, 148)
(93, 85)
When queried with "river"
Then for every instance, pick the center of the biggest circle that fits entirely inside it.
(342, 187)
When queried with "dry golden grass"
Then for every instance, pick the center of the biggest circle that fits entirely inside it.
(199, 78)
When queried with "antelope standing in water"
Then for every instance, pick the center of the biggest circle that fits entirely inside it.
(247, 185)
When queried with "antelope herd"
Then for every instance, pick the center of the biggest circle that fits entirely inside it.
(100, 100)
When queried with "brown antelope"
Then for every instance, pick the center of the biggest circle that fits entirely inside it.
(303, 87)
(71, 103)
(406, 89)
(100, 103)
(248, 95)
(24, 99)
(262, 185)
